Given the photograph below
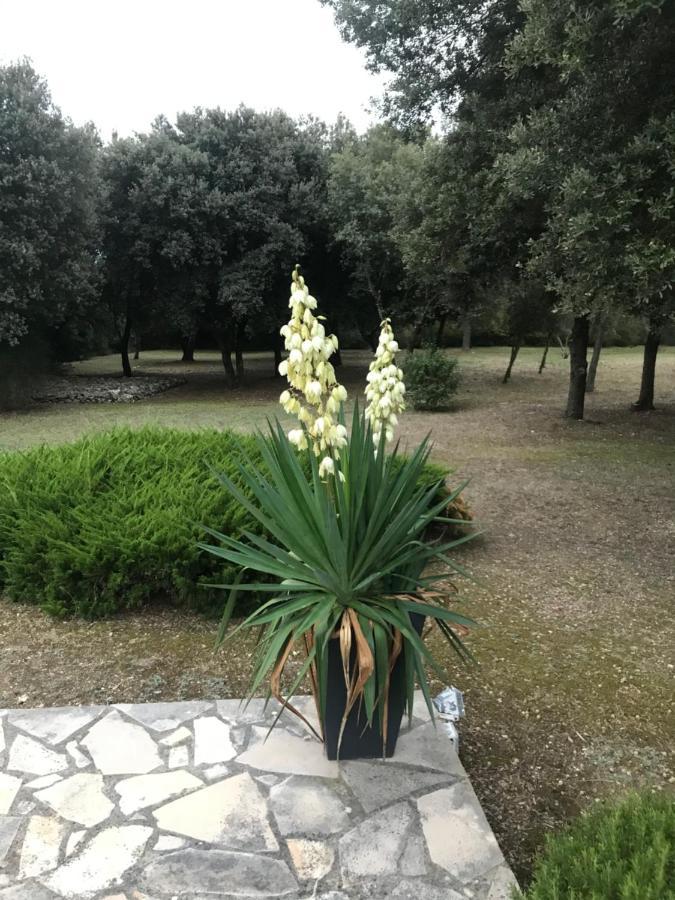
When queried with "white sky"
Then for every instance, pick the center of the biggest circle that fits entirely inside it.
(119, 63)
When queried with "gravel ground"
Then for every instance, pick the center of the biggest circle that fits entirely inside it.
(575, 582)
(103, 388)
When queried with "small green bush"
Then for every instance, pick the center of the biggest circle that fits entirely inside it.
(620, 852)
(112, 521)
(431, 378)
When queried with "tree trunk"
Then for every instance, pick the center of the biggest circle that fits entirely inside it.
(416, 337)
(466, 334)
(440, 330)
(238, 355)
(542, 364)
(578, 368)
(226, 356)
(595, 356)
(187, 345)
(239, 362)
(514, 353)
(137, 346)
(645, 401)
(124, 349)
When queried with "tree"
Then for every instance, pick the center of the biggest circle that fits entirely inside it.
(616, 70)
(48, 177)
(651, 244)
(262, 175)
(438, 51)
(447, 60)
(154, 210)
(360, 190)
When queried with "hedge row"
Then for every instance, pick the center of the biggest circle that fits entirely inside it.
(112, 521)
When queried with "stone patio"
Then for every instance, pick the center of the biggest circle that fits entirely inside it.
(188, 800)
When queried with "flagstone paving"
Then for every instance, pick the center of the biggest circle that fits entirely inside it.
(189, 801)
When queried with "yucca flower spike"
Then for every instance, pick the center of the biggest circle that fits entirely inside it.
(314, 395)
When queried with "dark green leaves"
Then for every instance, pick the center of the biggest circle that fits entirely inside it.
(344, 554)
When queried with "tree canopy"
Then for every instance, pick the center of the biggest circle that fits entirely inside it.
(48, 223)
(521, 182)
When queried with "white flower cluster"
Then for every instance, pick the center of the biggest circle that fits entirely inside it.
(385, 390)
(314, 395)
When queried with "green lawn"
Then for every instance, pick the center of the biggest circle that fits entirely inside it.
(573, 696)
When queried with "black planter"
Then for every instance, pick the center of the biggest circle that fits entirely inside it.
(359, 740)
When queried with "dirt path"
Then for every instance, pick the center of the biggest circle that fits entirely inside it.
(573, 697)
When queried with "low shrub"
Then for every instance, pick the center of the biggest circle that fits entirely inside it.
(619, 852)
(431, 377)
(112, 521)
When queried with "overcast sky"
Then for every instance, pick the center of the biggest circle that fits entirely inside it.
(121, 63)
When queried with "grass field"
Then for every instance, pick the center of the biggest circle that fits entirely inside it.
(573, 697)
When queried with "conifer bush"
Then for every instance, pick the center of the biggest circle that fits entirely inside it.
(624, 851)
(431, 377)
(112, 522)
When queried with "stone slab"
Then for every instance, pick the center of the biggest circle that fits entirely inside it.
(9, 788)
(101, 864)
(426, 747)
(79, 799)
(176, 737)
(312, 860)
(29, 756)
(502, 884)
(164, 716)
(458, 835)
(28, 891)
(417, 889)
(41, 845)
(141, 791)
(375, 846)
(9, 826)
(208, 872)
(213, 743)
(377, 784)
(179, 757)
(119, 747)
(288, 754)
(303, 806)
(53, 726)
(230, 813)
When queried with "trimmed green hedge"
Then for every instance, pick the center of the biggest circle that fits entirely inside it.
(112, 521)
(620, 852)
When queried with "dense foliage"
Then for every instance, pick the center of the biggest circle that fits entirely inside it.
(620, 852)
(431, 378)
(112, 521)
(555, 180)
(48, 225)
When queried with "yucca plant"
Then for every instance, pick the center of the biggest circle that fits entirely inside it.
(346, 567)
